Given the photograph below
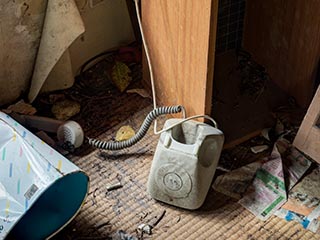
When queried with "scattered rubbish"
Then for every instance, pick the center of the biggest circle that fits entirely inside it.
(69, 134)
(94, 196)
(106, 224)
(63, 110)
(253, 75)
(258, 149)
(122, 235)
(158, 219)
(268, 192)
(311, 222)
(304, 197)
(22, 108)
(114, 187)
(236, 182)
(277, 175)
(147, 227)
(295, 164)
(42, 177)
(143, 215)
(125, 133)
(144, 228)
(140, 91)
(121, 75)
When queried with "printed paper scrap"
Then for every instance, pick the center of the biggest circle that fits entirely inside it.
(268, 191)
(303, 203)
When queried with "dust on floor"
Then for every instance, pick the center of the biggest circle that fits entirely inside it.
(103, 212)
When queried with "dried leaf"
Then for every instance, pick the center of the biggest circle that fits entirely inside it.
(142, 92)
(22, 108)
(63, 110)
(125, 133)
(121, 75)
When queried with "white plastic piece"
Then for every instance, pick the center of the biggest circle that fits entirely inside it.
(259, 148)
(71, 132)
(182, 171)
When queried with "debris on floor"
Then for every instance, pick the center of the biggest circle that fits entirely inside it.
(272, 177)
(267, 192)
(253, 75)
(21, 107)
(236, 182)
(125, 133)
(305, 196)
(114, 187)
(65, 109)
(249, 166)
(259, 148)
(121, 75)
(122, 235)
(146, 228)
(303, 203)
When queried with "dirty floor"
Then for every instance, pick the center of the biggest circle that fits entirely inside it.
(105, 212)
(103, 111)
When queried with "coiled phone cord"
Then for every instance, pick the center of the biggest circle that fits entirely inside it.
(140, 134)
(156, 112)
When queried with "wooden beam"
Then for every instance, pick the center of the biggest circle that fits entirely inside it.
(308, 136)
(181, 39)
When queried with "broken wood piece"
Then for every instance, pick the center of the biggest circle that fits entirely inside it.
(158, 219)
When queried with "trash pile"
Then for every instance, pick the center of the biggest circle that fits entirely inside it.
(279, 181)
(96, 101)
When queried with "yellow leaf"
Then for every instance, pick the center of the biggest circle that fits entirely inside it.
(125, 133)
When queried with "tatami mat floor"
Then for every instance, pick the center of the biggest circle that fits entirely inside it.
(103, 213)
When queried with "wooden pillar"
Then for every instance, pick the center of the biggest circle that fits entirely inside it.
(181, 38)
